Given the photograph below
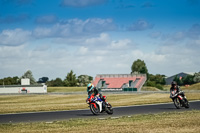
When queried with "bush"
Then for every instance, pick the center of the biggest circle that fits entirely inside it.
(159, 86)
(151, 83)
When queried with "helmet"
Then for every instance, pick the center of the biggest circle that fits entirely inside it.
(90, 87)
(173, 83)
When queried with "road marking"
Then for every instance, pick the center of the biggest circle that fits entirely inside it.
(114, 117)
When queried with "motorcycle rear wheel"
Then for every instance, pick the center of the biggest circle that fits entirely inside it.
(186, 103)
(109, 109)
(94, 110)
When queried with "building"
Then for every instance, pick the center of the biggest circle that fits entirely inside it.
(168, 80)
(119, 82)
(25, 87)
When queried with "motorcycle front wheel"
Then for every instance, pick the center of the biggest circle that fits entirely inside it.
(94, 110)
(177, 103)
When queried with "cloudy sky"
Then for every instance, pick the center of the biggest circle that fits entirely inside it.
(52, 37)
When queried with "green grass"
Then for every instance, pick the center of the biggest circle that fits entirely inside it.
(66, 89)
(144, 88)
(192, 87)
(176, 122)
(149, 88)
(34, 103)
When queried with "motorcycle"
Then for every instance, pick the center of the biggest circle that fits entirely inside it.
(98, 106)
(179, 99)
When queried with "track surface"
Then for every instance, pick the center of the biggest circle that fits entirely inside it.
(118, 111)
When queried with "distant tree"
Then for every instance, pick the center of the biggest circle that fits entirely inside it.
(188, 80)
(150, 83)
(83, 80)
(9, 81)
(16, 80)
(1, 81)
(70, 79)
(56, 82)
(90, 78)
(178, 80)
(43, 80)
(196, 78)
(159, 79)
(139, 66)
(29, 75)
(156, 81)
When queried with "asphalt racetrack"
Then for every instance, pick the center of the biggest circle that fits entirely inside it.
(73, 114)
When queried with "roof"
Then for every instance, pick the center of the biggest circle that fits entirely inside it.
(117, 82)
(187, 73)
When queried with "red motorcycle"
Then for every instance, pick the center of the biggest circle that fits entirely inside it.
(97, 105)
(179, 99)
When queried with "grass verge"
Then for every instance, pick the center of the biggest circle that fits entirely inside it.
(66, 89)
(184, 122)
(35, 103)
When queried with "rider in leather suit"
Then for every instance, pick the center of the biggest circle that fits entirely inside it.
(94, 91)
(175, 88)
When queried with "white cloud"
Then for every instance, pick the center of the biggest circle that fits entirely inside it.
(82, 3)
(194, 31)
(82, 51)
(47, 19)
(140, 25)
(121, 44)
(90, 57)
(179, 35)
(41, 32)
(76, 27)
(103, 39)
(14, 37)
(156, 34)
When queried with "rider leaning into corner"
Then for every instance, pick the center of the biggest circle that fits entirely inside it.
(175, 89)
(92, 90)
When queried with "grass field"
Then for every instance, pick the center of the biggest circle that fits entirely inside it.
(33, 103)
(83, 89)
(184, 88)
(178, 122)
(144, 88)
(192, 87)
(148, 88)
(66, 89)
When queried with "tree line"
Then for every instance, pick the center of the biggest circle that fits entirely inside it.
(158, 80)
(70, 80)
(138, 67)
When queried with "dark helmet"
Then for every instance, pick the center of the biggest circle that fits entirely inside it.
(173, 83)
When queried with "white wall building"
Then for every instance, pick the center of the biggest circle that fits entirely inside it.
(25, 87)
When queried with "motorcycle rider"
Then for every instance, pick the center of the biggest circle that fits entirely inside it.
(175, 89)
(92, 90)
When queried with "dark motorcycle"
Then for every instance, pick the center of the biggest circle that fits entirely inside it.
(179, 100)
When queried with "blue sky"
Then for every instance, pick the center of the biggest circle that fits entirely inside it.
(52, 37)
